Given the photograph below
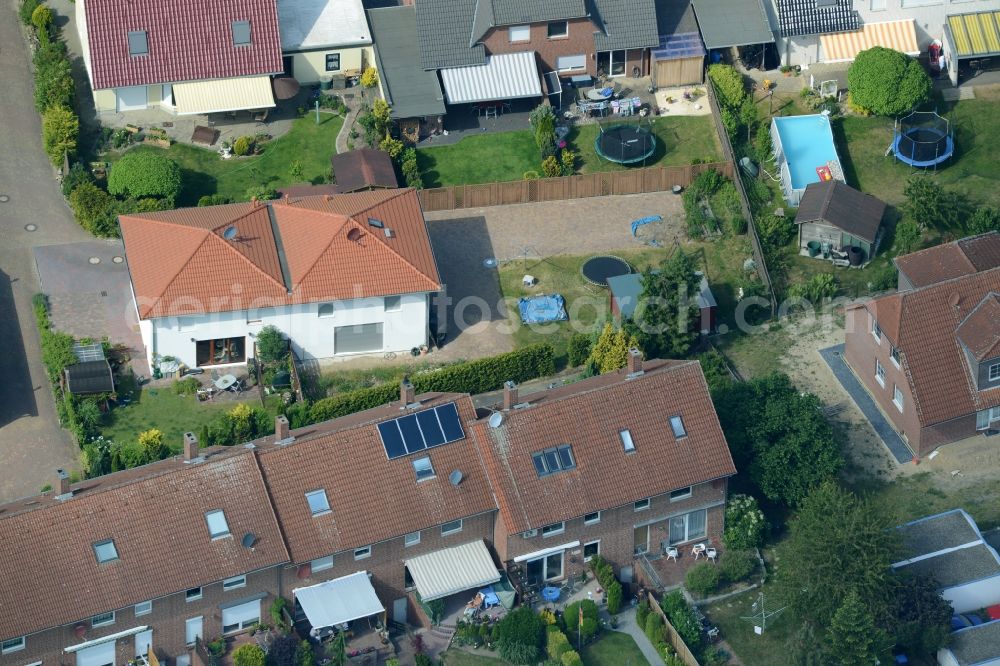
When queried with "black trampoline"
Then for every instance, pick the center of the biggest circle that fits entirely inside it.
(625, 144)
(597, 270)
(923, 139)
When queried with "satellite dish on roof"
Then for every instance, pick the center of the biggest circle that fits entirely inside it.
(455, 477)
(353, 235)
(496, 418)
(249, 539)
(230, 232)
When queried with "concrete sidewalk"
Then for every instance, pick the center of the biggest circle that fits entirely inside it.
(628, 625)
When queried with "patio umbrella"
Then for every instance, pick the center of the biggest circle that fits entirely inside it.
(285, 87)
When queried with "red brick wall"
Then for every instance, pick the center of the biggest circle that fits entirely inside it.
(860, 351)
(615, 531)
(934, 436)
(579, 39)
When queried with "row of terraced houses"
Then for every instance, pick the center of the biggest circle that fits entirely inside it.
(370, 514)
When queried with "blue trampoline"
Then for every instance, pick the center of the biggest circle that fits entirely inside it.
(542, 309)
(923, 139)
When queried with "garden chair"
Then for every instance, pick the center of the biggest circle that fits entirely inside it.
(672, 553)
(712, 554)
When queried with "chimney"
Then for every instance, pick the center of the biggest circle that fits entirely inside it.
(509, 395)
(191, 448)
(286, 199)
(634, 361)
(407, 394)
(281, 430)
(62, 488)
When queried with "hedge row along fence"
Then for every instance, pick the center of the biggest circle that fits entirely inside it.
(480, 376)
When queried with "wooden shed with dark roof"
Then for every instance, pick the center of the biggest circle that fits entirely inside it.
(363, 169)
(833, 216)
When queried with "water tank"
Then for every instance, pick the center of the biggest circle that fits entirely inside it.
(749, 168)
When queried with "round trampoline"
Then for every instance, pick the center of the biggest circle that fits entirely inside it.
(625, 144)
(597, 270)
(923, 139)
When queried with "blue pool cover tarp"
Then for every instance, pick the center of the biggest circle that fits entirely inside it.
(542, 308)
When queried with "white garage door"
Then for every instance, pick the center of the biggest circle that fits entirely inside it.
(99, 655)
(131, 99)
(357, 339)
(243, 616)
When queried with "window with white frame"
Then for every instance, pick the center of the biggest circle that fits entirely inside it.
(12, 645)
(519, 33)
(554, 529)
(994, 372)
(592, 518)
(192, 630)
(641, 505)
(590, 549)
(103, 620)
(879, 373)
(677, 425)
(688, 526)
(143, 608)
(878, 5)
(451, 527)
(240, 617)
(571, 63)
(193, 594)
(558, 29)
(680, 493)
(627, 442)
(411, 539)
(423, 468)
(362, 553)
(234, 582)
(894, 356)
(217, 525)
(876, 331)
(318, 502)
(321, 563)
(897, 397)
(994, 414)
(392, 303)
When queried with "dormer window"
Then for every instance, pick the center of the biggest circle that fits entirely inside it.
(138, 44)
(894, 355)
(105, 551)
(217, 525)
(876, 331)
(677, 425)
(241, 33)
(318, 503)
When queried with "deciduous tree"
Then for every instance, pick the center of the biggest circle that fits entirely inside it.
(886, 82)
(666, 319)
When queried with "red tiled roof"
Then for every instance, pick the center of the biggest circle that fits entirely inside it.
(371, 498)
(589, 415)
(926, 323)
(188, 40)
(951, 260)
(180, 262)
(980, 332)
(156, 517)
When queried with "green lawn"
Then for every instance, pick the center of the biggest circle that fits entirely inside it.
(456, 657)
(614, 647)
(204, 172)
(752, 650)
(919, 495)
(679, 141)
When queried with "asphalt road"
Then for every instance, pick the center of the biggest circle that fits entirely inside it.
(32, 445)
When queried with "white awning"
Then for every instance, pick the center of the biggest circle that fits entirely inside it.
(505, 76)
(104, 639)
(339, 600)
(250, 92)
(547, 551)
(445, 572)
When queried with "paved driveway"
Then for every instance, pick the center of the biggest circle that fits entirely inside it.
(32, 445)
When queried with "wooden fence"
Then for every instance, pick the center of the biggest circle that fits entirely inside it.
(727, 152)
(633, 181)
(680, 647)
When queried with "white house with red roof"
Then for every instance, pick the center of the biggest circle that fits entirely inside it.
(338, 275)
(182, 56)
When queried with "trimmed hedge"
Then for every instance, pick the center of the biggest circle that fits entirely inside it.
(480, 376)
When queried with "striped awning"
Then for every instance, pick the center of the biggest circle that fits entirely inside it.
(216, 96)
(502, 77)
(845, 46)
(452, 570)
(976, 34)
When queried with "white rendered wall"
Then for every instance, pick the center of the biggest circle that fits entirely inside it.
(973, 596)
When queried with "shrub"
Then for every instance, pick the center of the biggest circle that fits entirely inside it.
(276, 611)
(53, 77)
(272, 346)
(248, 654)
(77, 175)
(186, 386)
(729, 85)
(151, 443)
(282, 651)
(578, 349)
(641, 613)
(775, 231)
(557, 645)
(145, 173)
(27, 10)
(369, 78)
(568, 160)
(745, 524)
(683, 619)
(305, 656)
(572, 618)
(927, 203)
(60, 130)
(653, 628)
(480, 376)
(907, 236)
(737, 565)
(213, 200)
(94, 210)
(243, 146)
(614, 597)
(983, 220)
(519, 636)
(411, 171)
(887, 82)
(703, 579)
(261, 193)
(571, 658)
(551, 167)
(42, 18)
(392, 147)
(530, 175)
(820, 286)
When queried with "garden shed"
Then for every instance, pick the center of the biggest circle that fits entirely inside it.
(627, 289)
(363, 169)
(833, 216)
(91, 373)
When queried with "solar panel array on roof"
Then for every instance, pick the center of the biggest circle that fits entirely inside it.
(422, 430)
(682, 45)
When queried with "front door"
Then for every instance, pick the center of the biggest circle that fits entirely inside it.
(641, 539)
(399, 608)
(99, 655)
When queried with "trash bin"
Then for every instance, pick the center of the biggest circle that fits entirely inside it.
(325, 83)
(855, 255)
(813, 248)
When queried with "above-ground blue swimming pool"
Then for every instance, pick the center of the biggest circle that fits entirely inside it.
(801, 144)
